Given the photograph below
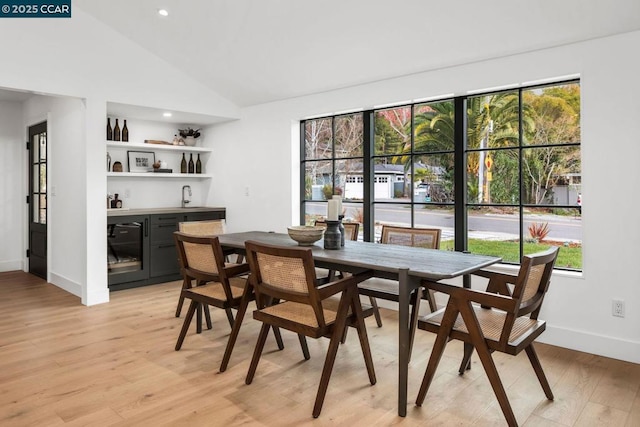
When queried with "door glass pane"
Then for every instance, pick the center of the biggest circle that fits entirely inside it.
(35, 178)
(35, 149)
(561, 227)
(35, 205)
(318, 180)
(43, 146)
(43, 178)
(314, 211)
(349, 136)
(317, 139)
(43, 209)
(493, 120)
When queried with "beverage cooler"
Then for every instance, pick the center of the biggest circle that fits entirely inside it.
(127, 257)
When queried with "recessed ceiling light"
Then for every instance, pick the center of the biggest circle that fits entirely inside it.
(167, 114)
(163, 12)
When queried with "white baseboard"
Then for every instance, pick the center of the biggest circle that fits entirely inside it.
(66, 284)
(11, 265)
(613, 347)
(601, 345)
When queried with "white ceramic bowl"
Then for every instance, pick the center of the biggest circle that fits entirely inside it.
(305, 235)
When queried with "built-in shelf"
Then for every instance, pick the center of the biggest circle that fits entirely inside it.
(158, 175)
(157, 147)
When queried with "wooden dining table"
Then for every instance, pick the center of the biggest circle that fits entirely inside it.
(405, 264)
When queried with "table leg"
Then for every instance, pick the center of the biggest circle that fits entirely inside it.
(406, 285)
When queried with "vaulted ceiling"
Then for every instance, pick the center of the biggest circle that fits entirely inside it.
(256, 51)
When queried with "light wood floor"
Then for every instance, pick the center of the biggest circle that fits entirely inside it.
(114, 364)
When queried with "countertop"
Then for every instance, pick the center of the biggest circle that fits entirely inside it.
(151, 211)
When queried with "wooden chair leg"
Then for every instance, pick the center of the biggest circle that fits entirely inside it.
(537, 367)
(207, 316)
(437, 351)
(262, 338)
(235, 329)
(413, 317)
(334, 343)
(229, 316)
(465, 365)
(185, 285)
(356, 308)
(376, 311)
(304, 346)
(478, 341)
(278, 336)
(198, 318)
(185, 325)
(431, 298)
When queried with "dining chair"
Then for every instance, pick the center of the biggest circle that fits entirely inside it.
(388, 290)
(503, 318)
(352, 230)
(219, 284)
(287, 296)
(199, 228)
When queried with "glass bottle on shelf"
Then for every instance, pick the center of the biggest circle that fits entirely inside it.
(116, 131)
(109, 130)
(125, 132)
(198, 165)
(183, 164)
(191, 165)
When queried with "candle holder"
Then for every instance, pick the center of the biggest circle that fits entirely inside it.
(341, 228)
(332, 235)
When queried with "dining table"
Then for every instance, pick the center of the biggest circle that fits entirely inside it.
(405, 264)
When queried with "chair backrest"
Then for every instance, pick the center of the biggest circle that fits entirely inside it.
(199, 255)
(203, 228)
(533, 280)
(406, 236)
(284, 273)
(351, 229)
(530, 287)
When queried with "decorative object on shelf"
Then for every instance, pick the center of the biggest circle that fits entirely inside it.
(109, 130)
(155, 141)
(191, 164)
(108, 162)
(198, 165)
(116, 131)
(116, 203)
(141, 161)
(161, 167)
(156, 165)
(332, 235)
(305, 235)
(183, 164)
(177, 141)
(189, 136)
(125, 132)
(117, 167)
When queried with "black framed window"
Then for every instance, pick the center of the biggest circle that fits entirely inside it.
(499, 173)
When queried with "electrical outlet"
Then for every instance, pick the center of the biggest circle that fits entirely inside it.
(618, 308)
(246, 190)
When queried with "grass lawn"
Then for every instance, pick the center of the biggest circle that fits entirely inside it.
(568, 257)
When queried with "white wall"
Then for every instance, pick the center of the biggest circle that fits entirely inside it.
(12, 202)
(86, 60)
(261, 151)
